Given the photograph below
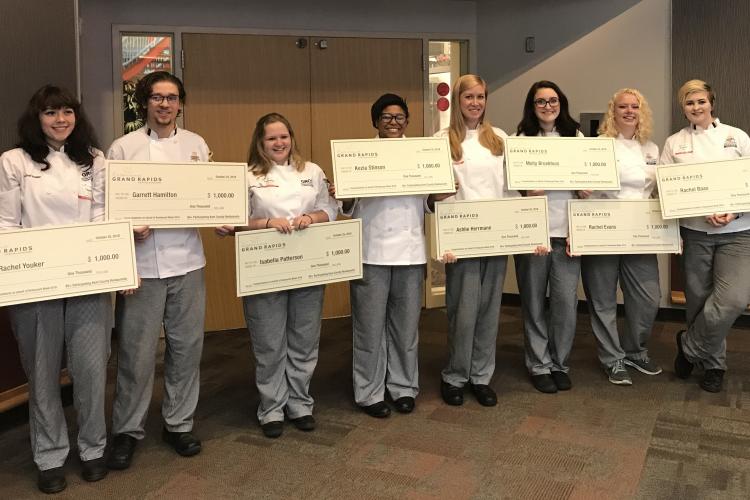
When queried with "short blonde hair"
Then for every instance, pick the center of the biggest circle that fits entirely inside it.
(645, 121)
(457, 127)
(692, 86)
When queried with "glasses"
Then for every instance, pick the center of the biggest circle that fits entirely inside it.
(387, 118)
(158, 98)
(542, 103)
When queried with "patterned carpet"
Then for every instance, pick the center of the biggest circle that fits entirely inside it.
(661, 438)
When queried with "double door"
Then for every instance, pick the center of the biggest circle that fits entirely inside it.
(323, 85)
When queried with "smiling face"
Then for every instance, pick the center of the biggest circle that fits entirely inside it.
(277, 143)
(546, 107)
(57, 125)
(392, 122)
(627, 114)
(698, 109)
(163, 105)
(472, 102)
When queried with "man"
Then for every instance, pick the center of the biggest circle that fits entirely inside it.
(172, 291)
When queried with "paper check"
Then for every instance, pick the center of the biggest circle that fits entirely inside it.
(388, 167)
(171, 195)
(696, 189)
(599, 227)
(269, 261)
(561, 163)
(491, 227)
(54, 262)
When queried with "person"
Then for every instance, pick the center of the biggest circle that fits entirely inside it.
(287, 194)
(170, 264)
(387, 301)
(56, 176)
(716, 248)
(473, 285)
(548, 336)
(628, 120)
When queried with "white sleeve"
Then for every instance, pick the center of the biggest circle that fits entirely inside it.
(98, 181)
(10, 194)
(115, 152)
(666, 154)
(323, 200)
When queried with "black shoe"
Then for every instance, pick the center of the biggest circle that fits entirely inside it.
(51, 480)
(121, 452)
(184, 443)
(377, 410)
(562, 380)
(452, 395)
(682, 367)
(712, 380)
(544, 383)
(404, 404)
(484, 394)
(304, 423)
(94, 470)
(272, 429)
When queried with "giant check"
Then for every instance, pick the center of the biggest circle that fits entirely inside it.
(600, 227)
(66, 261)
(491, 227)
(695, 189)
(386, 167)
(270, 261)
(175, 195)
(561, 163)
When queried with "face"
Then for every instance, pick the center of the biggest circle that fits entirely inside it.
(627, 112)
(57, 125)
(698, 109)
(472, 101)
(163, 105)
(277, 143)
(392, 122)
(546, 106)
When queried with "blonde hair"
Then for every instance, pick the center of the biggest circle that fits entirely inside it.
(692, 86)
(258, 160)
(457, 128)
(645, 120)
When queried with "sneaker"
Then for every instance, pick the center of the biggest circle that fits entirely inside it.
(617, 374)
(643, 365)
(682, 366)
(712, 380)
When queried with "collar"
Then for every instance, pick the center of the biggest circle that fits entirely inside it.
(714, 124)
(153, 135)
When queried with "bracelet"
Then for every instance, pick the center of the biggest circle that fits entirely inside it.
(310, 216)
(268, 219)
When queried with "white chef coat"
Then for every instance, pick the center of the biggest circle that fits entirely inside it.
(286, 192)
(718, 142)
(65, 193)
(636, 164)
(479, 173)
(167, 252)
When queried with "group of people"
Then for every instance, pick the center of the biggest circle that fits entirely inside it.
(56, 176)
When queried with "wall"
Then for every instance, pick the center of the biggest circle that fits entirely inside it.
(443, 17)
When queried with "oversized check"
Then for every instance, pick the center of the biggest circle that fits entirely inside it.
(177, 194)
(695, 189)
(270, 261)
(600, 227)
(388, 167)
(53, 262)
(561, 163)
(491, 227)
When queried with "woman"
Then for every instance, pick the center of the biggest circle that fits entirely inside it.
(474, 285)
(387, 301)
(548, 341)
(56, 176)
(628, 120)
(716, 248)
(286, 194)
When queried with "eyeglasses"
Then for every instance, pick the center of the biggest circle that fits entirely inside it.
(542, 103)
(387, 118)
(158, 98)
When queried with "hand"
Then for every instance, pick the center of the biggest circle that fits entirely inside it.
(585, 193)
(541, 250)
(681, 247)
(140, 233)
(331, 190)
(720, 220)
(281, 224)
(535, 192)
(302, 221)
(224, 231)
(131, 291)
(567, 248)
(448, 258)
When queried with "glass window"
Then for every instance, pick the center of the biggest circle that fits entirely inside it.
(448, 60)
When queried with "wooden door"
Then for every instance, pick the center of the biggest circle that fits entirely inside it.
(231, 81)
(347, 75)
